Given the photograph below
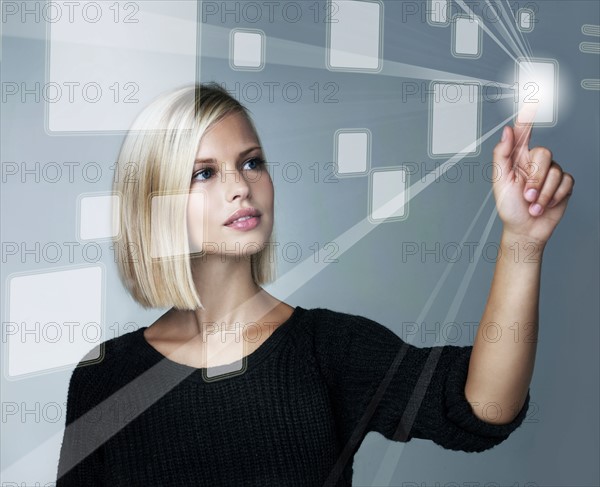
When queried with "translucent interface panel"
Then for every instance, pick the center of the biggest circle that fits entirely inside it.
(106, 60)
(98, 217)
(226, 355)
(537, 88)
(590, 47)
(438, 12)
(454, 119)
(466, 37)
(525, 19)
(247, 49)
(590, 84)
(389, 194)
(54, 319)
(352, 151)
(354, 35)
(170, 215)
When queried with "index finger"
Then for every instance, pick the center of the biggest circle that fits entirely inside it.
(523, 126)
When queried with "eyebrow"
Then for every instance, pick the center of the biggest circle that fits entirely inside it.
(240, 155)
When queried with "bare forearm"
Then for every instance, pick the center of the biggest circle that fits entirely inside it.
(503, 353)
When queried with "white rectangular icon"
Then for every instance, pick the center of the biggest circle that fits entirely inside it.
(98, 216)
(466, 37)
(54, 319)
(107, 60)
(389, 194)
(167, 212)
(247, 50)
(354, 35)
(437, 12)
(525, 19)
(352, 151)
(454, 119)
(536, 91)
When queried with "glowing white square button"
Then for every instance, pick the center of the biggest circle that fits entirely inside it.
(389, 194)
(466, 37)
(107, 60)
(454, 119)
(247, 49)
(355, 36)
(54, 319)
(352, 151)
(98, 217)
(537, 84)
(437, 12)
(525, 19)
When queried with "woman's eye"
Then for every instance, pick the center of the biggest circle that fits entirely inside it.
(257, 161)
(196, 176)
(207, 173)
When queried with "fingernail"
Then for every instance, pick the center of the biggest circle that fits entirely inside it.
(536, 209)
(552, 203)
(503, 134)
(530, 194)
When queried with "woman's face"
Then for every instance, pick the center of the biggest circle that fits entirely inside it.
(229, 174)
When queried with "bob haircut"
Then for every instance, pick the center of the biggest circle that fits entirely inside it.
(156, 162)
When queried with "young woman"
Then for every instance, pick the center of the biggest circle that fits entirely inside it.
(233, 386)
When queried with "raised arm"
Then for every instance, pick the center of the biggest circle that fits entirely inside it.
(531, 192)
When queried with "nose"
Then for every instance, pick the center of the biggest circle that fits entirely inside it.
(236, 185)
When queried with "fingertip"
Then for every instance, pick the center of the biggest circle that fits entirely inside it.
(536, 209)
(531, 195)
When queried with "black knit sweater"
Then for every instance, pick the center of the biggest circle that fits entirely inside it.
(295, 416)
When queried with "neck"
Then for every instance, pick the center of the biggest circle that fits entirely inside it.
(228, 294)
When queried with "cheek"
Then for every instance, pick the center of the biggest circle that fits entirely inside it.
(264, 187)
(198, 211)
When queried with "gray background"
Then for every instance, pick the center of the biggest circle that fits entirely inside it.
(558, 443)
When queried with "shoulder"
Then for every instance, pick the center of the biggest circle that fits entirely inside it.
(106, 360)
(98, 374)
(111, 349)
(326, 321)
(328, 327)
(349, 348)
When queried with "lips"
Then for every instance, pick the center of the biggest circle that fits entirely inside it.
(241, 213)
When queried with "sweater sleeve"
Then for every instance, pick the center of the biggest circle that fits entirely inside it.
(73, 470)
(380, 383)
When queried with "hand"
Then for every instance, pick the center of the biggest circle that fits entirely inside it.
(524, 179)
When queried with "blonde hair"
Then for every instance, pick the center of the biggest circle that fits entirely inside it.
(157, 158)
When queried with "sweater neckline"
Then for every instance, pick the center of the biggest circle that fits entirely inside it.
(151, 355)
